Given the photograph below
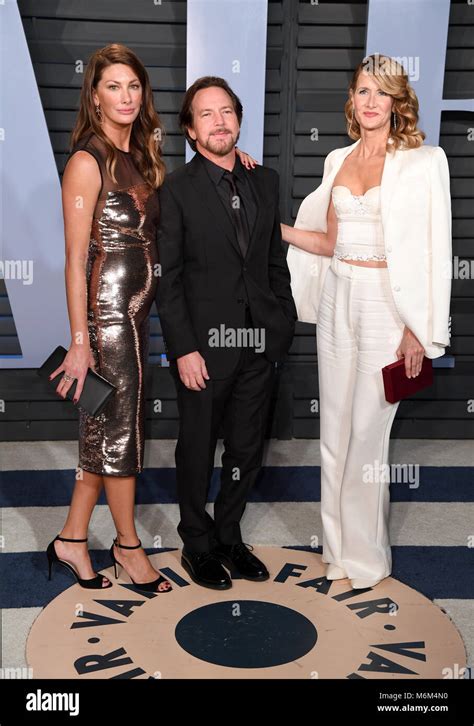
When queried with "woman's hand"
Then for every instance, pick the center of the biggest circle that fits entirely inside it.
(75, 364)
(411, 349)
(248, 161)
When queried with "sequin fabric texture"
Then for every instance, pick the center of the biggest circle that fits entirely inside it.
(121, 284)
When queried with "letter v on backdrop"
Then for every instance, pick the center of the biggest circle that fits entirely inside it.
(32, 236)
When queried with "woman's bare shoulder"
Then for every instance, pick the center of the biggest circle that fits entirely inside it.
(83, 167)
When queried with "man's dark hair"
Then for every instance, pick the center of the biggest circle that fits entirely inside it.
(186, 114)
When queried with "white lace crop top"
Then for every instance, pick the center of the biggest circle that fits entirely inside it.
(359, 229)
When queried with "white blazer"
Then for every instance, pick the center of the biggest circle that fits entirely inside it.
(416, 221)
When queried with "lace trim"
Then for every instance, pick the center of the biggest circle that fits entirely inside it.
(348, 256)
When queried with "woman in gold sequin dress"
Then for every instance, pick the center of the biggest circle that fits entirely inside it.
(111, 212)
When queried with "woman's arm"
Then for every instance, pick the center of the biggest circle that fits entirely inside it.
(80, 190)
(315, 242)
(319, 243)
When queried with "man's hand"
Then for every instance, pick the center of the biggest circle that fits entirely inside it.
(411, 349)
(192, 370)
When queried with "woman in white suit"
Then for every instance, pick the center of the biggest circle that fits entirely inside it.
(370, 262)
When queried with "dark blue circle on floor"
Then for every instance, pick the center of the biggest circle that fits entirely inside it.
(246, 634)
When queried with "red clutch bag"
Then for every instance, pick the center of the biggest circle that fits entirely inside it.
(398, 386)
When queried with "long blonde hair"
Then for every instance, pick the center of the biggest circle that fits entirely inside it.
(146, 140)
(393, 79)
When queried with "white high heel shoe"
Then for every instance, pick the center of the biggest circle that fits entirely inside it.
(361, 584)
(334, 572)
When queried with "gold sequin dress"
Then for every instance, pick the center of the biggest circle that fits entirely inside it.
(122, 270)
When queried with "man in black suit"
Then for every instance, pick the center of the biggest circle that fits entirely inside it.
(227, 314)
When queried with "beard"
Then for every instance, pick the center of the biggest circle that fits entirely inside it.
(221, 145)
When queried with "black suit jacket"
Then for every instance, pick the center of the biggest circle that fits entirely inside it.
(204, 277)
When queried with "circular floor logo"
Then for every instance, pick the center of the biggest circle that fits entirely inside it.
(297, 624)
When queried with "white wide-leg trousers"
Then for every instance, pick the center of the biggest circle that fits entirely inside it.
(358, 332)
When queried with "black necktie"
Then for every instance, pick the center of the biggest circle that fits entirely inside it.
(237, 213)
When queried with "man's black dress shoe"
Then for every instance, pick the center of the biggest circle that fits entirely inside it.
(238, 556)
(205, 569)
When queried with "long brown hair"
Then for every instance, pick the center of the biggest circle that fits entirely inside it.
(393, 79)
(146, 139)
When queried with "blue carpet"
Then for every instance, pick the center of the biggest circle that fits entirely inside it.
(275, 484)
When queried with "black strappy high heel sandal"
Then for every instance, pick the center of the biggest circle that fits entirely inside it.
(94, 582)
(145, 586)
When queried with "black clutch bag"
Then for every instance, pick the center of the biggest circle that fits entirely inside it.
(96, 391)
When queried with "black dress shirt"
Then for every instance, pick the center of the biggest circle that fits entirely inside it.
(244, 188)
